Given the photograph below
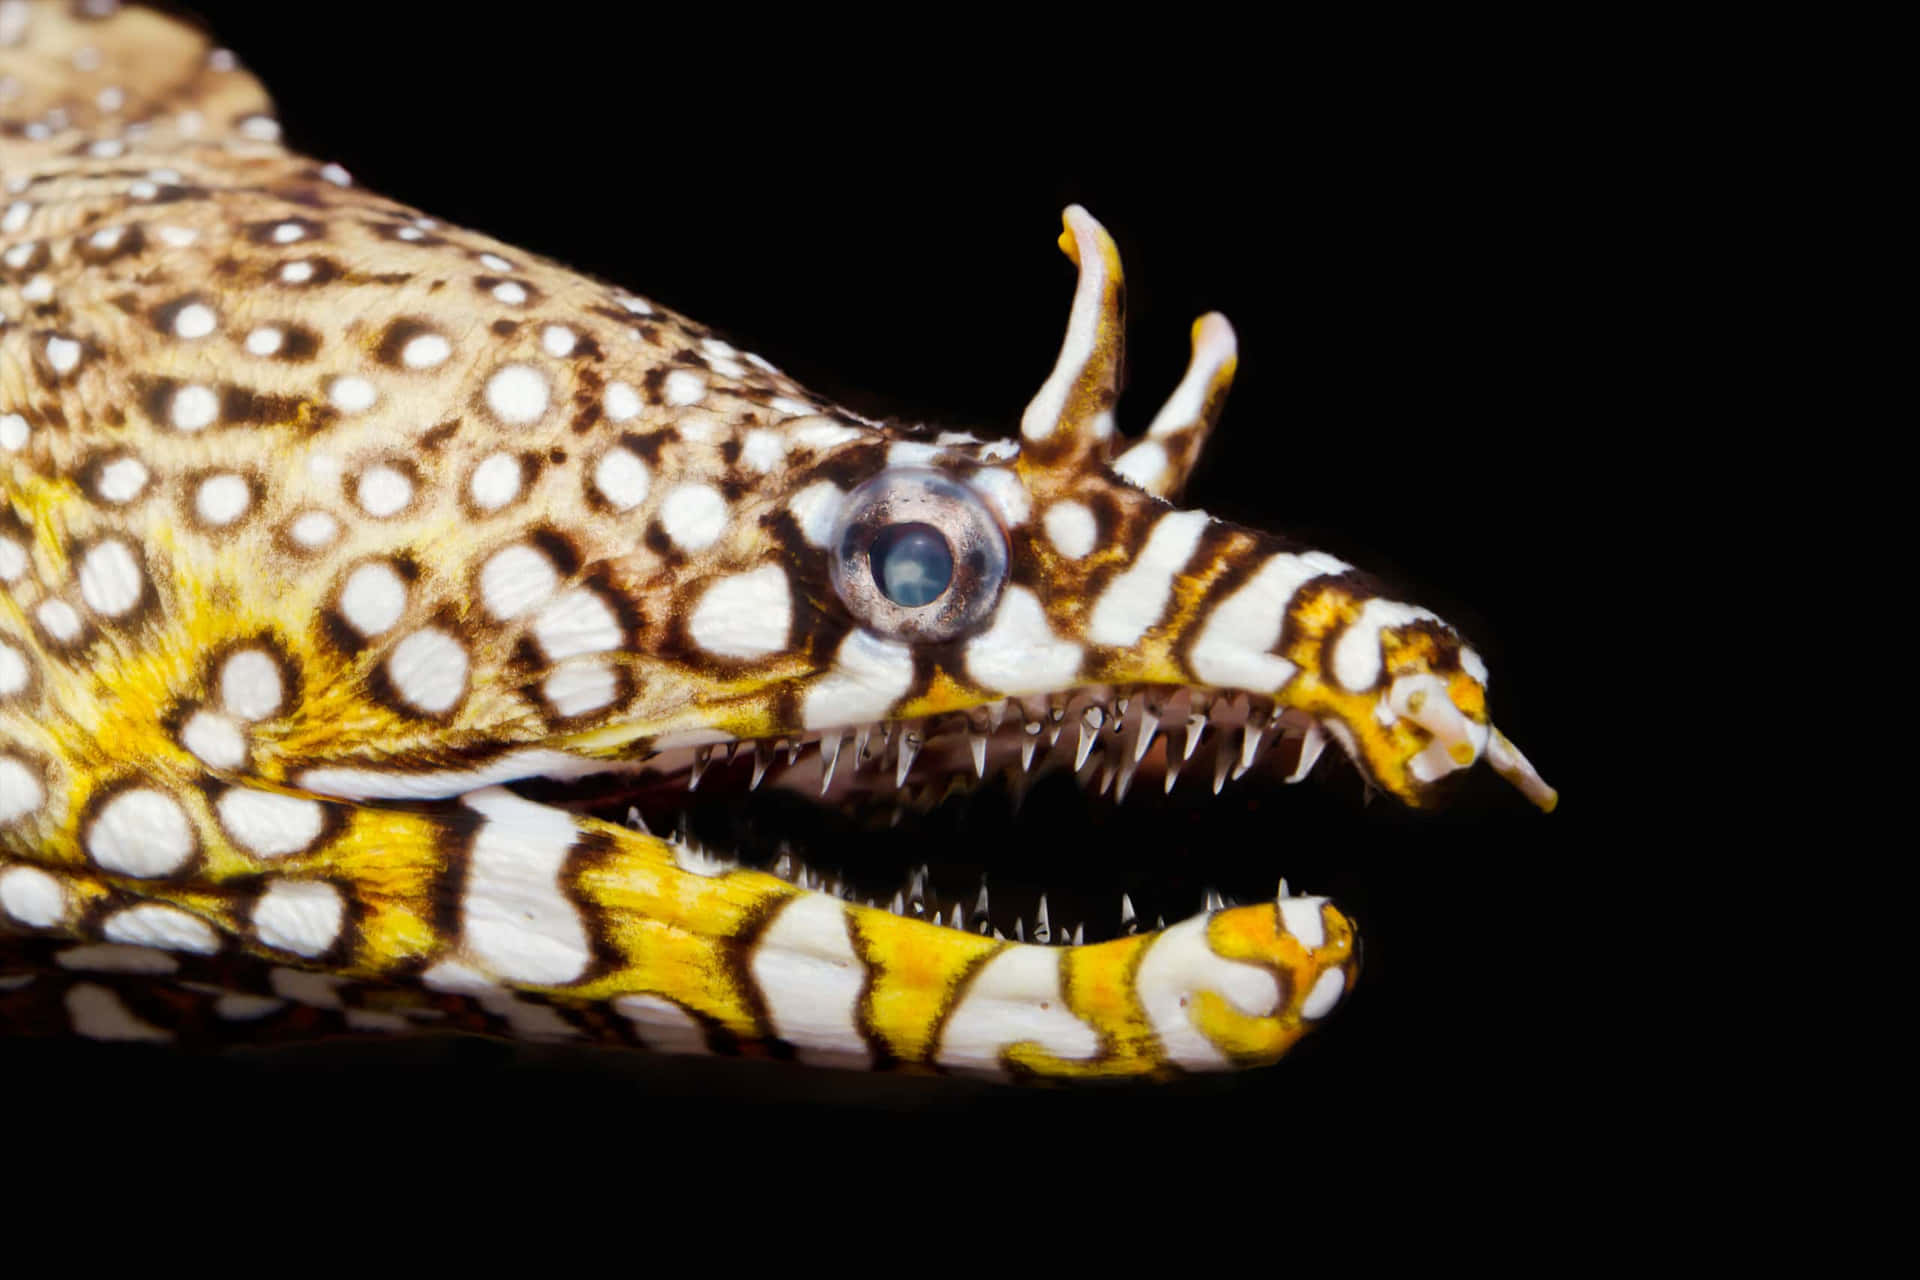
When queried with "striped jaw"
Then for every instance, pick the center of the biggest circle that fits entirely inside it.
(370, 590)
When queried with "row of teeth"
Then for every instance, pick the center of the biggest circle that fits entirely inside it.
(917, 903)
(1108, 733)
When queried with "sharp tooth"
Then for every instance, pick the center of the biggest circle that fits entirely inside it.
(1088, 735)
(1196, 725)
(917, 887)
(762, 757)
(1283, 894)
(997, 714)
(1213, 900)
(938, 920)
(1173, 772)
(1149, 726)
(861, 755)
(1160, 923)
(702, 756)
(1019, 930)
(978, 741)
(1312, 743)
(635, 821)
(1027, 746)
(1128, 925)
(980, 903)
(999, 936)
(1080, 933)
(1222, 765)
(1250, 737)
(1042, 929)
(910, 741)
(1124, 780)
(899, 904)
(829, 757)
(783, 866)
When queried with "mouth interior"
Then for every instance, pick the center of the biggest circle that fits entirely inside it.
(1083, 817)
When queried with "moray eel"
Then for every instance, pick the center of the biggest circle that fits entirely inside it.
(366, 583)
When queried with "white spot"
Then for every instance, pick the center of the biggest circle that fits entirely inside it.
(661, 1025)
(222, 499)
(1303, 919)
(1179, 964)
(495, 482)
(516, 919)
(141, 832)
(577, 622)
(268, 824)
(383, 490)
(169, 928)
(1071, 529)
(684, 387)
(576, 688)
(823, 433)
(337, 175)
(516, 579)
(215, 740)
(13, 563)
(21, 791)
(142, 189)
(63, 354)
(791, 408)
(38, 289)
(621, 402)
(1357, 657)
(385, 784)
(32, 897)
(868, 676)
(19, 255)
(1019, 653)
(517, 393)
(494, 262)
(13, 433)
(913, 453)
(763, 450)
(1232, 648)
(296, 272)
(1016, 998)
(122, 480)
(111, 580)
(288, 232)
(1327, 990)
(193, 407)
(1144, 464)
(747, 615)
(265, 341)
(1137, 598)
(694, 516)
(260, 129)
(426, 351)
(250, 685)
(558, 340)
(237, 1006)
(816, 509)
(301, 916)
(316, 990)
(352, 394)
(314, 529)
(1003, 489)
(373, 599)
(106, 237)
(621, 478)
(57, 616)
(177, 237)
(510, 292)
(13, 670)
(98, 1014)
(429, 671)
(16, 217)
(195, 320)
(811, 980)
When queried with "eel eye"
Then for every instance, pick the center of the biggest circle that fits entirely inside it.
(918, 555)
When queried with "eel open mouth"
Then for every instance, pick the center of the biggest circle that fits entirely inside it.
(915, 817)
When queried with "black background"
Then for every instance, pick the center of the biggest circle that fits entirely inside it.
(1425, 246)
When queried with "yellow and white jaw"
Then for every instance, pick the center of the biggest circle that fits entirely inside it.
(360, 574)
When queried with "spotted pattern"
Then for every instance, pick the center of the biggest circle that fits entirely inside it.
(314, 504)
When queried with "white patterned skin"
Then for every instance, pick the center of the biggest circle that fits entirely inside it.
(345, 520)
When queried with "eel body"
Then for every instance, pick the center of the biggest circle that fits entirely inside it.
(356, 569)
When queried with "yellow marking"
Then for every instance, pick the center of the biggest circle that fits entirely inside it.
(915, 970)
